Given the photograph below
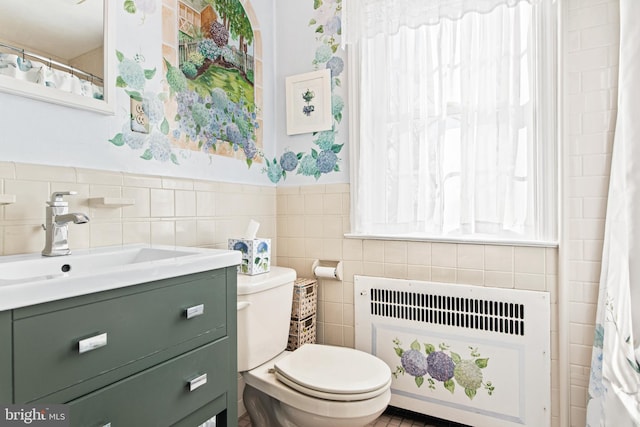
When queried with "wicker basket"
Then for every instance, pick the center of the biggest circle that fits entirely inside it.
(302, 332)
(305, 298)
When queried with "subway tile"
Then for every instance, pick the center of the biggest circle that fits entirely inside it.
(22, 239)
(333, 313)
(7, 170)
(332, 249)
(162, 203)
(419, 253)
(332, 204)
(395, 252)
(470, 277)
(177, 184)
(598, 79)
(470, 256)
(333, 334)
(206, 232)
(419, 272)
(443, 255)
(29, 172)
(347, 296)
(441, 274)
(106, 234)
(498, 258)
(90, 176)
(142, 181)
(499, 279)
(313, 226)
(594, 207)
(313, 248)
(531, 282)
(136, 232)
(186, 233)
(396, 271)
(31, 197)
(375, 269)
(185, 203)
(313, 204)
(142, 202)
(332, 227)
(351, 268)
(205, 203)
(373, 250)
(163, 233)
(602, 35)
(529, 260)
(352, 249)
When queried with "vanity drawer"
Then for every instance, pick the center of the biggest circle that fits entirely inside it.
(59, 349)
(159, 396)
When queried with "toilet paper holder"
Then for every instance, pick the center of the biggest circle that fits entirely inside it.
(323, 269)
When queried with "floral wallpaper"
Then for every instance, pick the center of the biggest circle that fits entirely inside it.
(323, 158)
(202, 99)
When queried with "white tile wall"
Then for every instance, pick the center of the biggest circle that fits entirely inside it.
(482, 265)
(166, 210)
(591, 61)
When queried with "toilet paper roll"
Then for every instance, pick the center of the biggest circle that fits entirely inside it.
(325, 272)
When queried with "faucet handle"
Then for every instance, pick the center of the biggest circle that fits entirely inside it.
(56, 197)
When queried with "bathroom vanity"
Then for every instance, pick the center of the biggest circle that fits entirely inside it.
(153, 353)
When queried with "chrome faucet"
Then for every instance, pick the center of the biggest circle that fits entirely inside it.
(57, 226)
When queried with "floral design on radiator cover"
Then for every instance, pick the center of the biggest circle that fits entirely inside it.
(443, 365)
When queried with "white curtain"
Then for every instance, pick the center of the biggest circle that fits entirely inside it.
(445, 112)
(614, 387)
(21, 68)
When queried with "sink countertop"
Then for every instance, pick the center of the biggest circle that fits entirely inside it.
(27, 280)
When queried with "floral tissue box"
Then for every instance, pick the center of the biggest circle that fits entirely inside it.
(256, 255)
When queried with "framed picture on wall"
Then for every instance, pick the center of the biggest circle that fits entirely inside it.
(309, 102)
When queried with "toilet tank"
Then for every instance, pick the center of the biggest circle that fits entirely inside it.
(264, 312)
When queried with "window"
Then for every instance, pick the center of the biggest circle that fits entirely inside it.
(452, 119)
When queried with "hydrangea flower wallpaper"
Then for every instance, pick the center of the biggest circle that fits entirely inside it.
(205, 98)
(322, 158)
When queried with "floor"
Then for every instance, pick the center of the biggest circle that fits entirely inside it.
(392, 417)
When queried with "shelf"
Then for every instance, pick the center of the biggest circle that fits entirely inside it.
(7, 199)
(112, 202)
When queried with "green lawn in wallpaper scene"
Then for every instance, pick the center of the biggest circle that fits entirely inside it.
(231, 80)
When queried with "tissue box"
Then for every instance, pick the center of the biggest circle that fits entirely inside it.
(256, 255)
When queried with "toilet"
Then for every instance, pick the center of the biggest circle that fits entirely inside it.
(313, 386)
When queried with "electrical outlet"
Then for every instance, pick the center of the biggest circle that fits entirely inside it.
(139, 117)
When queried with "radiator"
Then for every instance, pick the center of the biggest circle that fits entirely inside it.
(474, 355)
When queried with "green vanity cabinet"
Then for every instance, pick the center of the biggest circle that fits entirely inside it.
(153, 354)
(6, 389)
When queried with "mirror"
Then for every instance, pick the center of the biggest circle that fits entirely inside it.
(59, 51)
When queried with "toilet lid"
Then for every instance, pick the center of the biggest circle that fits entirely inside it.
(334, 373)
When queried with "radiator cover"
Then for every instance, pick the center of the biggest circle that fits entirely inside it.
(470, 354)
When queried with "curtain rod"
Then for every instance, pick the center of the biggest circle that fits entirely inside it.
(51, 62)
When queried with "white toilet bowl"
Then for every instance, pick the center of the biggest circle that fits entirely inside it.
(331, 394)
(313, 386)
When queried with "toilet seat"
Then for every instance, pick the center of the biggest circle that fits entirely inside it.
(334, 373)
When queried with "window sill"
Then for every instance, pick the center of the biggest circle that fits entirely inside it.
(468, 240)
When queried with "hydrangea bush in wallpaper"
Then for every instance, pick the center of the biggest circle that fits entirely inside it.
(209, 105)
(323, 158)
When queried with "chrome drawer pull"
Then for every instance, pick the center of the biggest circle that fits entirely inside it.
(195, 311)
(89, 344)
(198, 381)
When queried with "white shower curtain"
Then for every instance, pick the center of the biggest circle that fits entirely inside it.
(614, 387)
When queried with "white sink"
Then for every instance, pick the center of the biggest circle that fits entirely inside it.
(33, 279)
